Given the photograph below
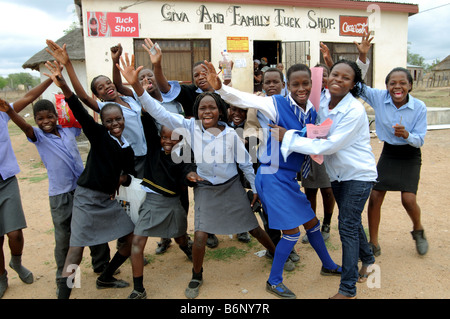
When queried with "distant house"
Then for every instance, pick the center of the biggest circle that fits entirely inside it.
(416, 71)
(440, 73)
(75, 47)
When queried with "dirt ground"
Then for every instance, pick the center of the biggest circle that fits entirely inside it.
(403, 274)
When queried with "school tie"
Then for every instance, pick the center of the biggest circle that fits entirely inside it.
(306, 166)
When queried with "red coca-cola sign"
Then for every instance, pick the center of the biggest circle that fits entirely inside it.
(353, 26)
(112, 24)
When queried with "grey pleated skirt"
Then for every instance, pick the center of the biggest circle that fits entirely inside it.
(11, 211)
(161, 216)
(96, 219)
(317, 178)
(223, 209)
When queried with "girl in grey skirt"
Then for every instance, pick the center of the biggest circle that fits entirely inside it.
(221, 203)
(97, 217)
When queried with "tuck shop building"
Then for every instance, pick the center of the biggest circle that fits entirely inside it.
(283, 31)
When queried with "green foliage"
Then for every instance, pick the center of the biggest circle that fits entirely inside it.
(14, 79)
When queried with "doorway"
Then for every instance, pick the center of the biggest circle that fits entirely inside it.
(267, 49)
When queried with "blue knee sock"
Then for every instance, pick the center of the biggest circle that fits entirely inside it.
(316, 240)
(282, 251)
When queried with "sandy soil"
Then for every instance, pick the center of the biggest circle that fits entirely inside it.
(403, 273)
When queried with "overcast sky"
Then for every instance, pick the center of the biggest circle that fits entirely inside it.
(27, 23)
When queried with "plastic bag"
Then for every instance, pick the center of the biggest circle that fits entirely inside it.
(131, 198)
(65, 115)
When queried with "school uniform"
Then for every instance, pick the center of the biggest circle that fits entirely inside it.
(221, 204)
(184, 94)
(96, 218)
(401, 159)
(276, 175)
(134, 131)
(64, 165)
(161, 214)
(12, 216)
(318, 177)
(350, 164)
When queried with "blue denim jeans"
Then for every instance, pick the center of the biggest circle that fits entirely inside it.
(351, 197)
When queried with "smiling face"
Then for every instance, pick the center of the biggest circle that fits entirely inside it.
(147, 74)
(167, 143)
(105, 89)
(46, 120)
(273, 83)
(398, 86)
(299, 84)
(208, 112)
(341, 80)
(112, 119)
(237, 115)
(200, 79)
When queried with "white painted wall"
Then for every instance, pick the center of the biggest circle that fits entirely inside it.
(389, 51)
(80, 69)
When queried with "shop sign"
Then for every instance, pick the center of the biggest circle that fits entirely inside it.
(353, 26)
(112, 24)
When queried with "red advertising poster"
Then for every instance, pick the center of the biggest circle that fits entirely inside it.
(353, 26)
(112, 24)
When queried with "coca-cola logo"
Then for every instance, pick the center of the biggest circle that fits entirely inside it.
(359, 28)
(353, 26)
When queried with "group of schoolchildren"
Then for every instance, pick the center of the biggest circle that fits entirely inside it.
(147, 128)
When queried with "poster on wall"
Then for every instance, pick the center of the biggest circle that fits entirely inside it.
(112, 24)
(237, 44)
(353, 26)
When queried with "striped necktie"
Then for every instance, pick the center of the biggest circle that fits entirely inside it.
(306, 166)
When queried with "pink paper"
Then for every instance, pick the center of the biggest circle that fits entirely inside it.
(318, 131)
(316, 77)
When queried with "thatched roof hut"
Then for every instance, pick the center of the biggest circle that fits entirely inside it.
(75, 47)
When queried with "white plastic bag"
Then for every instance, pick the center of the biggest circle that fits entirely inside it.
(131, 198)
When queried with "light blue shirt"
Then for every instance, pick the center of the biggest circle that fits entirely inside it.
(215, 155)
(61, 158)
(347, 151)
(412, 115)
(8, 161)
(133, 131)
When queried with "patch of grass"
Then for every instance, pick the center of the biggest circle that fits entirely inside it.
(36, 179)
(226, 253)
(433, 97)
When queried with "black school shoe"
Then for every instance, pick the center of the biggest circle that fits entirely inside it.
(421, 241)
(111, 283)
(280, 290)
(331, 272)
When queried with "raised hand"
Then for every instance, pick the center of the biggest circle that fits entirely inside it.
(60, 54)
(128, 71)
(55, 69)
(326, 54)
(153, 50)
(364, 46)
(4, 106)
(116, 52)
(211, 75)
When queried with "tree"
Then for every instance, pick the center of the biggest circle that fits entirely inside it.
(3, 82)
(24, 78)
(414, 58)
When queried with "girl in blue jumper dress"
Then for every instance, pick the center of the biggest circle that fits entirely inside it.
(276, 178)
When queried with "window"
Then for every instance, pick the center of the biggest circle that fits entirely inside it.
(348, 51)
(178, 56)
(295, 52)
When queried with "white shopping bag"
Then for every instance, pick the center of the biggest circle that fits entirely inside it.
(131, 198)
